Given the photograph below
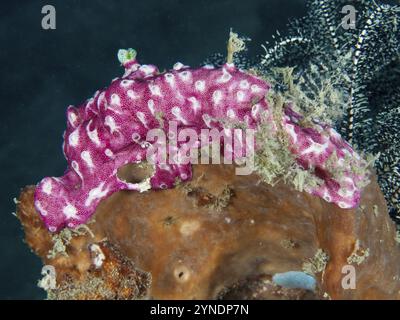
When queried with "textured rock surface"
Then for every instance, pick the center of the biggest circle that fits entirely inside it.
(225, 236)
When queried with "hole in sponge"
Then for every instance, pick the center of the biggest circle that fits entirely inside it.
(135, 172)
(182, 274)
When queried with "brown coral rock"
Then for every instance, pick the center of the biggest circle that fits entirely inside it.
(87, 269)
(225, 236)
(113, 278)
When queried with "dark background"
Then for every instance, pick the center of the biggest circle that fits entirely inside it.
(44, 71)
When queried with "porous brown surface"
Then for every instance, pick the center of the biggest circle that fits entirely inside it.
(225, 236)
(116, 279)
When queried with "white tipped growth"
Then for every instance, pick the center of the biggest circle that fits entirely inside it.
(126, 55)
(235, 44)
(48, 282)
(98, 256)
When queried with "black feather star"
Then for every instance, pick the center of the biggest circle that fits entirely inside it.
(367, 58)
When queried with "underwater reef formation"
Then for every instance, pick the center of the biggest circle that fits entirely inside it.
(362, 62)
(112, 129)
(222, 236)
(121, 224)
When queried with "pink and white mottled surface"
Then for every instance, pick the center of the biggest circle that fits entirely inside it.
(314, 147)
(109, 131)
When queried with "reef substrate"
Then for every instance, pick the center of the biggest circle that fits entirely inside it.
(220, 236)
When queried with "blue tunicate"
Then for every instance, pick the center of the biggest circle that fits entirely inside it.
(295, 280)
